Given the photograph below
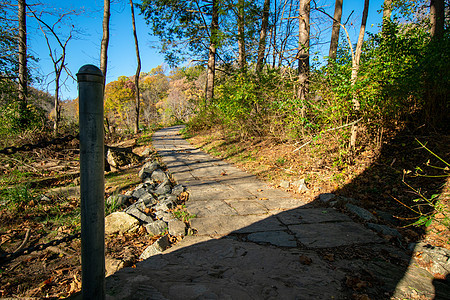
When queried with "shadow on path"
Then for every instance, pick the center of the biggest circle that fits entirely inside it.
(255, 242)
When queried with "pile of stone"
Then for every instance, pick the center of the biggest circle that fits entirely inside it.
(149, 204)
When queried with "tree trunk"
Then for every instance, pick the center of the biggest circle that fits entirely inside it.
(262, 36)
(303, 51)
(355, 68)
(23, 74)
(212, 52)
(437, 16)
(436, 110)
(335, 30)
(138, 71)
(241, 36)
(105, 39)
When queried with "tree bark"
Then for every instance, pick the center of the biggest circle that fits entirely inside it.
(262, 36)
(23, 74)
(355, 67)
(335, 30)
(212, 52)
(105, 39)
(303, 51)
(437, 16)
(241, 36)
(138, 70)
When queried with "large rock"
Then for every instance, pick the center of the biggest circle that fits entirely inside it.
(156, 248)
(133, 211)
(148, 169)
(159, 176)
(118, 157)
(360, 212)
(120, 222)
(177, 228)
(156, 227)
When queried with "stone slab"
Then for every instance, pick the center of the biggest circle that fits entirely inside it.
(277, 238)
(325, 235)
(280, 204)
(209, 208)
(247, 207)
(227, 269)
(222, 225)
(311, 215)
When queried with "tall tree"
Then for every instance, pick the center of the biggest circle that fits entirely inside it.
(241, 35)
(23, 73)
(105, 38)
(188, 28)
(335, 29)
(212, 51)
(355, 67)
(138, 70)
(303, 48)
(437, 17)
(262, 36)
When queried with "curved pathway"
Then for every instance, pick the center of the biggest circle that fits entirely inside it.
(255, 242)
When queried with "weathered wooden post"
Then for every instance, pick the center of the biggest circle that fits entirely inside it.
(92, 185)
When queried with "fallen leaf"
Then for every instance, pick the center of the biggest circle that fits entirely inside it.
(305, 260)
(329, 256)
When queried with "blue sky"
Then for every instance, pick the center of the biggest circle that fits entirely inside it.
(85, 48)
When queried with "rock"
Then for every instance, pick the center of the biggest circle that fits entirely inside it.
(285, 184)
(436, 257)
(44, 198)
(360, 212)
(177, 228)
(301, 184)
(164, 205)
(326, 197)
(156, 227)
(163, 188)
(133, 211)
(383, 229)
(148, 169)
(120, 222)
(118, 157)
(156, 248)
(117, 200)
(172, 198)
(159, 176)
(112, 265)
(178, 189)
(148, 199)
(139, 192)
(165, 216)
(146, 152)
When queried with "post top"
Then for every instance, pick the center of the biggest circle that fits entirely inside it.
(90, 70)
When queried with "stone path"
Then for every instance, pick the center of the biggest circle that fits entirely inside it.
(255, 242)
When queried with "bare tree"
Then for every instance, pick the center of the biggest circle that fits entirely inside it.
(105, 38)
(355, 67)
(58, 59)
(335, 30)
(23, 73)
(212, 51)
(262, 36)
(303, 49)
(138, 70)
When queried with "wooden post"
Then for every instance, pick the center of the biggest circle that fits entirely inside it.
(92, 186)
